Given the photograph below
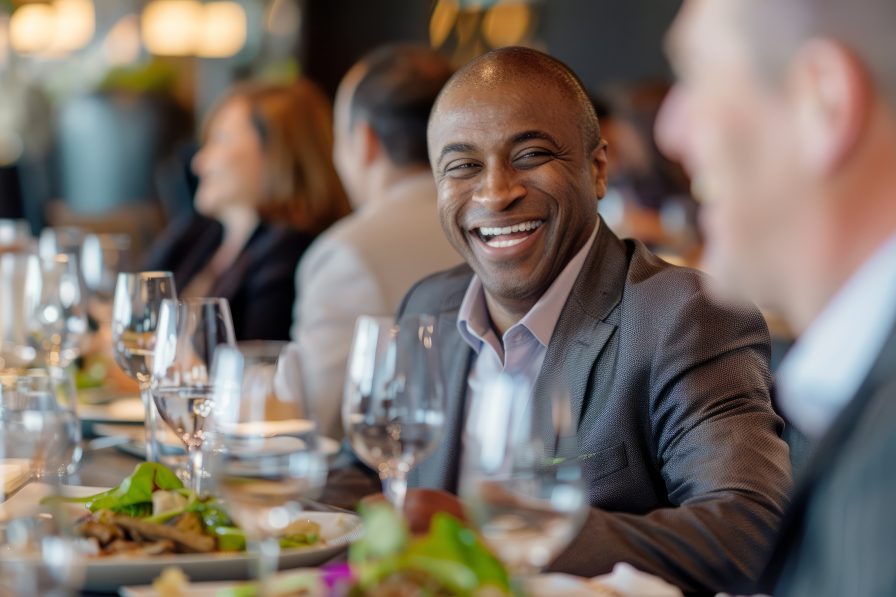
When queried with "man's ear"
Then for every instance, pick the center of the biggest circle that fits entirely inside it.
(367, 141)
(599, 169)
(832, 98)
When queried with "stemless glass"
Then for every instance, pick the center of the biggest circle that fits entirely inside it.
(393, 409)
(135, 316)
(265, 457)
(521, 479)
(189, 333)
(58, 322)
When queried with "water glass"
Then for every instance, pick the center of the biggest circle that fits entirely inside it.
(393, 409)
(521, 479)
(265, 458)
(135, 317)
(58, 321)
(188, 334)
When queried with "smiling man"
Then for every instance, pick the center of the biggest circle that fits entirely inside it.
(681, 455)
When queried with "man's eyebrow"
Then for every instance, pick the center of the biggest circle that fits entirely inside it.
(454, 147)
(529, 135)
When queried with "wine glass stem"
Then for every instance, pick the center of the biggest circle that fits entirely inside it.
(196, 469)
(268, 555)
(395, 488)
(149, 425)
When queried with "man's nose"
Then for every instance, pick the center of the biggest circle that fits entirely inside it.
(670, 128)
(499, 188)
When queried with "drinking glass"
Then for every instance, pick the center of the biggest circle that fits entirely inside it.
(20, 282)
(189, 333)
(15, 235)
(40, 556)
(103, 256)
(58, 321)
(135, 316)
(521, 479)
(393, 409)
(265, 457)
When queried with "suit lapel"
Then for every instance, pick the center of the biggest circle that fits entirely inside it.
(582, 332)
(823, 460)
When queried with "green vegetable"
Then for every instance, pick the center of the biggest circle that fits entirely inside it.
(133, 496)
(450, 554)
(229, 538)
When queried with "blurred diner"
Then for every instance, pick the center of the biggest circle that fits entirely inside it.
(267, 187)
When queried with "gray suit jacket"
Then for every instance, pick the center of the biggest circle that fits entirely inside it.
(680, 447)
(839, 535)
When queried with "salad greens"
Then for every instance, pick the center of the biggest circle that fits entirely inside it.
(134, 497)
(451, 554)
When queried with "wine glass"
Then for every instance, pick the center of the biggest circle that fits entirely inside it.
(103, 256)
(521, 479)
(15, 235)
(58, 321)
(189, 333)
(393, 409)
(265, 456)
(20, 282)
(135, 316)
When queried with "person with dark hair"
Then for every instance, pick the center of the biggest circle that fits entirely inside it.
(785, 117)
(683, 465)
(267, 186)
(366, 263)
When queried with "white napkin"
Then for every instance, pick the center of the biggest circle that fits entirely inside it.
(14, 473)
(628, 580)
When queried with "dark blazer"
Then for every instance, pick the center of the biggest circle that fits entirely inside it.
(260, 285)
(839, 535)
(680, 447)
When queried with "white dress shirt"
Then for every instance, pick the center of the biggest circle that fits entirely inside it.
(833, 356)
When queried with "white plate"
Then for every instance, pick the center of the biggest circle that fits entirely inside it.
(109, 574)
(124, 410)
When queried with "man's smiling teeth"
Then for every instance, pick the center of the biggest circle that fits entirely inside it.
(491, 236)
(523, 227)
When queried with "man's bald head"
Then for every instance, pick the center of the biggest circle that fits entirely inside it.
(538, 70)
(778, 29)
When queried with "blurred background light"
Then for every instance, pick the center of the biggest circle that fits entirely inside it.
(223, 30)
(170, 27)
(74, 24)
(32, 27)
(506, 24)
(4, 40)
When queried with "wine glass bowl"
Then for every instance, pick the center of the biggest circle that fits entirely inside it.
(188, 334)
(521, 477)
(58, 321)
(264, 458)
(393, 409)
(135, 316)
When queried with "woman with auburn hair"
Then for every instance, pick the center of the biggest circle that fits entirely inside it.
(267, 187)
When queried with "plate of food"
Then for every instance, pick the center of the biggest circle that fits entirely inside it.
(150, 522)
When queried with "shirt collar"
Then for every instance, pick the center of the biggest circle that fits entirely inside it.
(822, 372)
(474, 323)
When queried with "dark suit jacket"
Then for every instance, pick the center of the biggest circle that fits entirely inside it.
(839, 535)
(681, 449)
(260, 285)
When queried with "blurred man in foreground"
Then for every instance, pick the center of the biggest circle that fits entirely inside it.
(368, 261)
(681, 456)
(785, 116)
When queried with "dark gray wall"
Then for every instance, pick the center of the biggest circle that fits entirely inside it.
(605, 41)
(609, 41)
